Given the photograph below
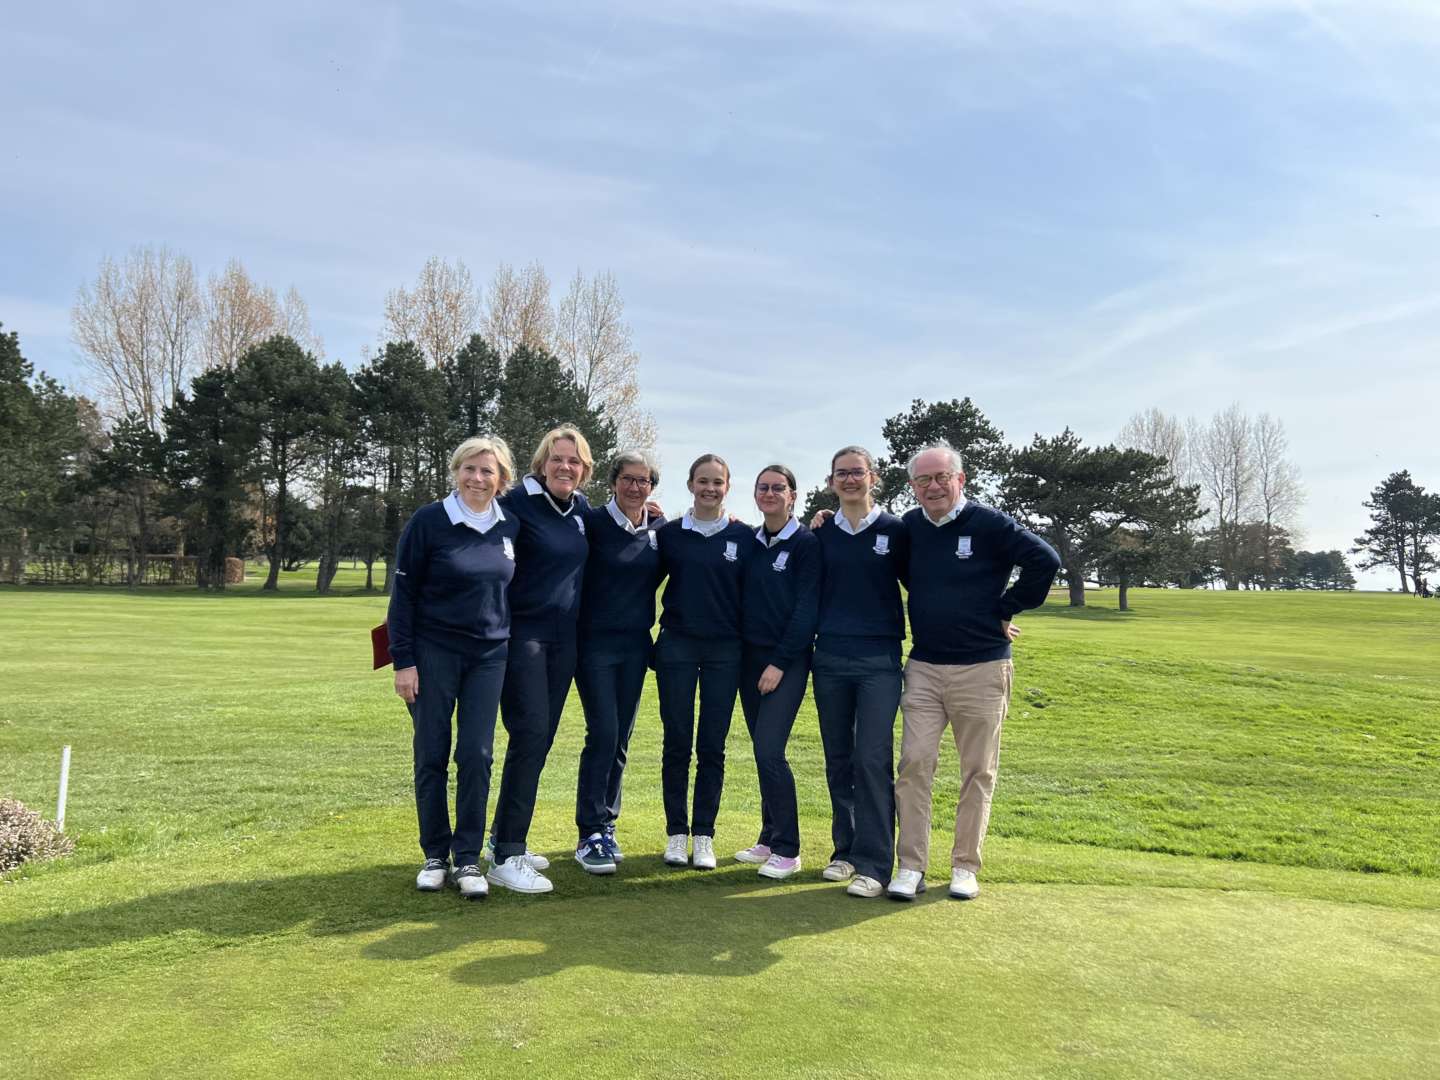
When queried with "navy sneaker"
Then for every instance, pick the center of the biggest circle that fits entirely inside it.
(613, 844)
(594, 856)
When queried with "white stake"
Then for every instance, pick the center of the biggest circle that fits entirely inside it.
(64, 789)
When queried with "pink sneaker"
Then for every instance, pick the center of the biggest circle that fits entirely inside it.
(779, 867)
(754, 855)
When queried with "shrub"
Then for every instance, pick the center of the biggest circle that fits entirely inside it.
(26, 837)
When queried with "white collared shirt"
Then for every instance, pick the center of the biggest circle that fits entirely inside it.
(704, 528)
(949, 517)
(534, 487)
(843, 523)
(784, 534)
(624, 522)
(460, 514)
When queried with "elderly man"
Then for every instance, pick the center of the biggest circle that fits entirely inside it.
(959, 671)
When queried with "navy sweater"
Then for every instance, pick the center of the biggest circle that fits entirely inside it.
(958, 577)
(550, 565)
(702, 597)
(861, 613)
(620, 578)
(782, 597)
(450, 583)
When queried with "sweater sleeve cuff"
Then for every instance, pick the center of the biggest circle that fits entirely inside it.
(402, 659)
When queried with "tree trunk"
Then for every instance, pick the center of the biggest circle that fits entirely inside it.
(369, 575)
(1124, 592)
(1075, 578)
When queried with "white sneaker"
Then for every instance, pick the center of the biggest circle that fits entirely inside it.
(540, 862)
(963, 885)
(907, 884)
(839, 870)
(868, 887)
(704, 852)
(677, 850)
(471, 883)
(432, 876)
(518, 874)
(755, 854)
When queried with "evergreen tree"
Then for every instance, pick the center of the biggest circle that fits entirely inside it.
(1405, 524)
(959, 423)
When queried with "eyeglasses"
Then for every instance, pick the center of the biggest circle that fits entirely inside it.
(765, 489)
(941, 478)
(634, 481)
(850, 474)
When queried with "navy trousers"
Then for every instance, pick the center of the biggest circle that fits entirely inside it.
(537, 680)
(770, 718)
(468, 687)
(610, 676)
(856, 698)
(682, 663)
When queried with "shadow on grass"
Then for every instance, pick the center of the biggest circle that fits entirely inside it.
(649, 919)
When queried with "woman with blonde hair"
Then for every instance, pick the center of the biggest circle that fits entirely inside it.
(449, 625)
(551, 552)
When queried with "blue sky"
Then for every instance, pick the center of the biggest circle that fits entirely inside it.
(816, 211)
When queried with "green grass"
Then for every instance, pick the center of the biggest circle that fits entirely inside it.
(1213, 853)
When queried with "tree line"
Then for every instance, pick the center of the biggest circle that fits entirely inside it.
(215, 431)
(1170, 503)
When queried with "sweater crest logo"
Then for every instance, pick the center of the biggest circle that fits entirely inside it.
(882, 545)
(962, 548)
(509, 547)
(580, 524)
(780, 562)
(732, 551)
(654, 542)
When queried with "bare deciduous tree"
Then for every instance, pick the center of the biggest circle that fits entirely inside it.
(295, 324)
(517, 310)
(1161, 435)
(1225, 467)
(1279, 493)
(593, 340)
(136, 326)
(439, 314)
(241, 313)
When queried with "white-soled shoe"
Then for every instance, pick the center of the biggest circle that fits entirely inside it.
(868, 887)
(518, 874)
(963, 885)
(704, 852)
(432, 875)
(540, 862)
(779, 867)
(907, 884)
(839, 870)
(470, 880)
(755, 854)
(677, 850)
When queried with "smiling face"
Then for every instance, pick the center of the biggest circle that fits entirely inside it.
(563, 468)
(774, 495)
(936, 482)
(632, 489)
(709, 484)
(478, 479)
(851, 479)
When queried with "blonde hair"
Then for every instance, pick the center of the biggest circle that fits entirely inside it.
(485, 444)
(547, 444)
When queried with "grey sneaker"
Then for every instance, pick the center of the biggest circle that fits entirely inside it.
(839, 870)
(704, 852)
(677, 850)
(861, 885)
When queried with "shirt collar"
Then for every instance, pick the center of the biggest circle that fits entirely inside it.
(534, 487)
(843, 523)
(459, 514)
(788, 531)
(951, 516)
(624, 522)
(705, 528)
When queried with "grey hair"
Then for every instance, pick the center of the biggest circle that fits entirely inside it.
(956, 463)
(634, 457)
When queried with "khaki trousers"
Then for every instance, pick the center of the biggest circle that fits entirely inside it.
(972, 699)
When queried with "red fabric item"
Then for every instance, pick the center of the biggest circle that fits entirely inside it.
(380, 646)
